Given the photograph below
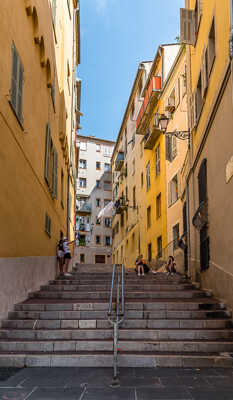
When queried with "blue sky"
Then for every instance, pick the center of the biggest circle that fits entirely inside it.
(116, 35)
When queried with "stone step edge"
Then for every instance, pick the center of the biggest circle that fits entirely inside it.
(106, 360)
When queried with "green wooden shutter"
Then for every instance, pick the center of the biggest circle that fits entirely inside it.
(168, 139)
(47, 153)
(14, 77)
(55, 165)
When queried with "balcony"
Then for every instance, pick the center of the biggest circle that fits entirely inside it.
(84, 209)
(120, 205)
(151, 137)
(119, 160)
(84, 227)
(150, 99)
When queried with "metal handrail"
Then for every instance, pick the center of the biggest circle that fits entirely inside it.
(116, 317)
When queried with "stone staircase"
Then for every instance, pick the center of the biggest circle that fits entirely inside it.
(168, 323)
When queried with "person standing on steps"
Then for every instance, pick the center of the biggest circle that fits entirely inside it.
(67, 255)
(60, 255)
(140, 266)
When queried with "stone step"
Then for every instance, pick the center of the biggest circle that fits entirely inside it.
(89, 314)
(124, 334)
(125, 359)
(123, 345)
(95, 287)
(57, 306)
(203, 304)
(182, 294)
(104, 323)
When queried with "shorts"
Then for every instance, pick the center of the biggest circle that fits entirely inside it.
(67, 255)
(60, 253)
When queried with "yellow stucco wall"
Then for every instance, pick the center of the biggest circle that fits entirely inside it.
(25, 195)
(221, 11)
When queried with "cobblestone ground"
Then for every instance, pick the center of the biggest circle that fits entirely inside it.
(135, 384)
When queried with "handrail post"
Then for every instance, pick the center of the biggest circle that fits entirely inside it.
(118, 317)
(112, 286)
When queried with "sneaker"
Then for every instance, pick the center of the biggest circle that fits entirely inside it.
(143, 274)
(67, 274)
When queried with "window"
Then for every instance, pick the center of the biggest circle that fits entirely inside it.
(98, 165)
(68, 5)
(97, 239)
(106, 201)
(157, 160)
(159, 247)
(17, 79)
(134, 197)
(149, 252)
(202, 181)
(175, 236)
(199, 99)
(82, 258)
(148, 217)
(190, 23)
(211, 48)
(171, 147)
(148, 176)
(51, 164)
(98, 184)
(107, 185)
(107, 151)
(53, 96)
(82, 240)
(62, 188)
(98, 147)
(142, 179)
(173, 191)
(82, 182)
(107, 167)
(158, 206)
(48, 225)
(98, 221)
(83, 164)
(97, 202)
(107, 222)
(83, 146)
(107, 241)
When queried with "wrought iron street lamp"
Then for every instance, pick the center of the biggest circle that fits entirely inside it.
(163, 123)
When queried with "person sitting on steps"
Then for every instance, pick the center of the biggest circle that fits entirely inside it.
(171, 266)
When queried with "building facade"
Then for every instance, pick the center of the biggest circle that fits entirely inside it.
(206, 28)
(94, 192)
(40, 52)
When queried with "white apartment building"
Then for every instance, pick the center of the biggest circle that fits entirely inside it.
(94, 191)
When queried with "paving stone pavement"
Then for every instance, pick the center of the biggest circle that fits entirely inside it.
(135, 384)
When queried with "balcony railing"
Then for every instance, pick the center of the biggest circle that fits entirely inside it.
(151, 96)
(120, 205)
(84, 209)
(84, 227)
(119, 160)
(151, 137)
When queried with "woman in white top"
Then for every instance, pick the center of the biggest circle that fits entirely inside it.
(67, 255)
